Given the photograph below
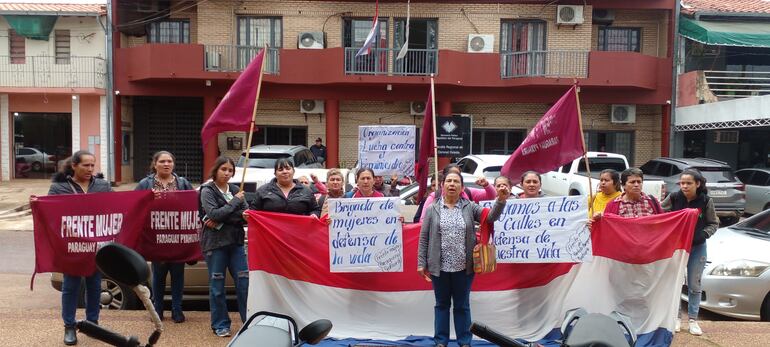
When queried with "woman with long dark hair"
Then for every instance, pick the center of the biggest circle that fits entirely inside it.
(222, 243)
(164, 179)
(694, 194)
(77, 177)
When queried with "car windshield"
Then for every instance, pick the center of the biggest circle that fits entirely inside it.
(262, 160)
(758, 223)
(717, 174)
(599, 164)
(492, 171)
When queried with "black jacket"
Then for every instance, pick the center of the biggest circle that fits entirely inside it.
(147, 183)
(300, 200)
(219, 210)
(63, 184)
(708, 222)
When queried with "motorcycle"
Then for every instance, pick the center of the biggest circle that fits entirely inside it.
(277, 330)
(579, 329)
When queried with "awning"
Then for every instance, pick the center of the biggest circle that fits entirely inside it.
(746, 34)
(32, 27)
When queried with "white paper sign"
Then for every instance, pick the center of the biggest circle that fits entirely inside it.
(387, 149)
(365, 235)
(543, 230)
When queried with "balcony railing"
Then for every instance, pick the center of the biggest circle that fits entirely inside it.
(544, 64)
(738, 84)
(382, 61)
(45, 72)
(226, 58)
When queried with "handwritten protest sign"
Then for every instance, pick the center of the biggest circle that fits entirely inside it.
(387, 149)
(365, 235)
(543, 230)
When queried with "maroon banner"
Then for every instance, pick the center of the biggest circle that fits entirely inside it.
(69, 229)
(171, 231)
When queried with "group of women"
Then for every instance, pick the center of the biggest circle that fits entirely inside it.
(447, 235)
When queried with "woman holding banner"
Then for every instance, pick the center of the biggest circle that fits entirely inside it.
(487, 192)
(222, 243)
(335, 189)
(284, 194)
(163, 179)
(531, 184)
(77, 177)
(694, 194)
(609, 189)
(365, 184)
(445, 255)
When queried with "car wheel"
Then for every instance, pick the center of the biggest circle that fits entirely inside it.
(37, 166)
(764, 313)
(117, 297)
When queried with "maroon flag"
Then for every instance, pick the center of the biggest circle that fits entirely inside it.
(426, 148)
(69, 229)
(556, 139)
(171, 231)
(234, 112)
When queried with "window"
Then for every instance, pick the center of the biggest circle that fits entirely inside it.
(126, 145)
(277, 135)
(253, 34)
(468, 166)
(649, 167)
(619, 39)
(522, 45)
(354, 35)
(62, 46)
(421, 56)
(169, 31)
(620, 142)
(16, 47)
(759, 179)
(496, 141)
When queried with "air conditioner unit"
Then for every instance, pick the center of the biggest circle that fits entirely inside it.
(623, 114)
(480, 43)
(603, 16)
(417, 108)
(310, 40)
(311, 106)
(726, 136)
(213, 60)
(569, 14)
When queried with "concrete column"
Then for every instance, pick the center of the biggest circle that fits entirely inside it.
(332, 112)
(211, 151)
(665, 125)
(5, 139)
(75, 121)
(104, 145)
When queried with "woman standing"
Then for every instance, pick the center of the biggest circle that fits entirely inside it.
(487, 192)
(365, 184)
(284, 194)
(531, 183)
(77, 177)
(609, 189)
(335, 189)
(162, 180)
(445, 255)
(694, 194)
(222, 243)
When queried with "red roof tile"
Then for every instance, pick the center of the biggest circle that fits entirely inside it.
(61, 8)
(731, 6)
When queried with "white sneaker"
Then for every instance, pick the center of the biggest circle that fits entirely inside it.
(677, 325)
(695, 328)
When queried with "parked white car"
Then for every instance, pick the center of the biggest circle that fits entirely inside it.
(487, 165)
(36, 158)
(571, 179)
(757, 183)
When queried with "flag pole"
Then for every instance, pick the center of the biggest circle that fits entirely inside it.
(253, 116)
(585, 153)
(435, 140)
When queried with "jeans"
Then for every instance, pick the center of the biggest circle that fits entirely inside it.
(695, 265)
(452, 287)
(70, 292)
(159, 270)
(232, 257)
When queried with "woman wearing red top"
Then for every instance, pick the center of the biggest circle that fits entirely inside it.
(365, 184)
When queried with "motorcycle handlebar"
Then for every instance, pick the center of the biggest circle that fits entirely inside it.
(106, 336)
(493, 336)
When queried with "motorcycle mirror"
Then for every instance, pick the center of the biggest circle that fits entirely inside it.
(122, 264)
(316, 331)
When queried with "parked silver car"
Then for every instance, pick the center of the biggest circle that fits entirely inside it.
(36, 158)
(757, 183)
(736, 281)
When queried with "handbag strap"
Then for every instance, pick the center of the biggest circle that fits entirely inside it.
(484, 227)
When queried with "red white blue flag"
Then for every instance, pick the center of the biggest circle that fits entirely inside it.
(369, 42)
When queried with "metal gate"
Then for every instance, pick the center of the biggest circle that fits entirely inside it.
(169, 124)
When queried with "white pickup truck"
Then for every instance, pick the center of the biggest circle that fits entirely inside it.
(571, 179)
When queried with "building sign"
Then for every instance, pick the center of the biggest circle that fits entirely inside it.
(453, 135)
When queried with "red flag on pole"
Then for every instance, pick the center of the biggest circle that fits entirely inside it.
(426, 148)
(234, 112)
(555, 140)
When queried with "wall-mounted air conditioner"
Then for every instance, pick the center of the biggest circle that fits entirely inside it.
(623, 114)
(310, 40)
(311, 106)
(569, 14)
(478, 43)
(417, 108)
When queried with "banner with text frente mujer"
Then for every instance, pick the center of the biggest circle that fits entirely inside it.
(365, 235)
(171, 231)
(387, 149)
(543, 230)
